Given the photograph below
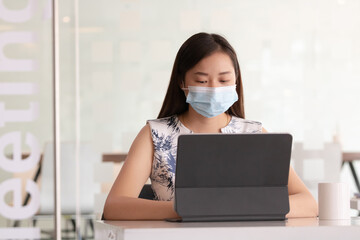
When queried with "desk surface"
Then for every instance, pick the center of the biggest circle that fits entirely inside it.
(294, 229)
(120, 157)
(350, 156)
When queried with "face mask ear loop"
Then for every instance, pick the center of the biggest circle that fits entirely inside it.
(184, 88)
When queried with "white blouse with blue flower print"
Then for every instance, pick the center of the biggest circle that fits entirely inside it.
(164, 133)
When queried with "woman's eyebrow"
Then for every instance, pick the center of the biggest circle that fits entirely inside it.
(201, 74)
(205, 74)
(223, 73)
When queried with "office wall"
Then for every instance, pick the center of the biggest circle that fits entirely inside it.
(299, 62)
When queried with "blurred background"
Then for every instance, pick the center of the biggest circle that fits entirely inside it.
(300, 65)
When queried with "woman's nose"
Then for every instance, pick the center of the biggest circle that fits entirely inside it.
(214, 83)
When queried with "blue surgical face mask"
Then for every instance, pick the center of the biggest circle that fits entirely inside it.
(211, 101)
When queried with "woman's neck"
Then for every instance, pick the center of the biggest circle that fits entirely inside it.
(200, 124)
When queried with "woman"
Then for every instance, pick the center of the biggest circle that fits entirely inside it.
(205, 95)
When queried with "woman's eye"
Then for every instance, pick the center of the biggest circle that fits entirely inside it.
(201, 81)
(224, 81)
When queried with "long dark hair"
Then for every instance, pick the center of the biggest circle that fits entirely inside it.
(190, 53)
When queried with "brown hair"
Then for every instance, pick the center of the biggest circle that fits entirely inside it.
(190, 53)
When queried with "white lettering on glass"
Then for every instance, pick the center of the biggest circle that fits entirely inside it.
(17, 16)
(17, 210)
(8, 88)
(27, 115)
(15, 65)
(17, 164)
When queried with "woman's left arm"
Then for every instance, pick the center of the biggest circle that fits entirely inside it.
(302, 203)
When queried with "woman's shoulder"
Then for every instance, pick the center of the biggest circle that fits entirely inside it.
(247, 121)
(167, 124)
(241, 125)
(166, 121)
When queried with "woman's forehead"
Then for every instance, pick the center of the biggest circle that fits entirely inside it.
(216, 62)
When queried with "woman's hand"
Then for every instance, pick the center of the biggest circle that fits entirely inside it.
(302, 203)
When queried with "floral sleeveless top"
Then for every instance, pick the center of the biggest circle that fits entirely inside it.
(164, 133)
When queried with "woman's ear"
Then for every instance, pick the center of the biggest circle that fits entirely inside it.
(184, 89)
(183, 84)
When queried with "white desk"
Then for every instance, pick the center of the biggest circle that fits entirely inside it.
(294, 229)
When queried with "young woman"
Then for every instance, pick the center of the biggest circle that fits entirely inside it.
(205, 95)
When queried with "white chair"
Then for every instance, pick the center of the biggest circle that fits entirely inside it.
(317, 165)
(87, 189)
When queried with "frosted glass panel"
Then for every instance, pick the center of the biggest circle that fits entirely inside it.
(298, 61)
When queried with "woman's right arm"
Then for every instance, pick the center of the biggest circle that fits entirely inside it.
(122, 202)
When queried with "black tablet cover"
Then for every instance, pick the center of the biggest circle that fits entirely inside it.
(230, 177)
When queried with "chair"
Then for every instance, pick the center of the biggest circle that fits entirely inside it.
(317, 165)
(146, 193)
(350, 158)
(87, 158)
